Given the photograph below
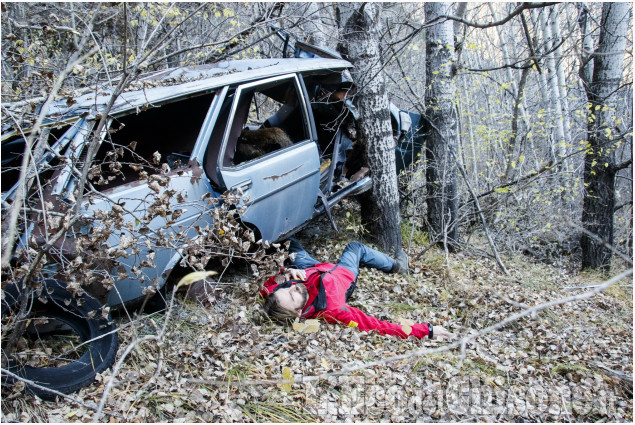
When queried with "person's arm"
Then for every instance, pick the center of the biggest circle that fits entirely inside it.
(351, 316)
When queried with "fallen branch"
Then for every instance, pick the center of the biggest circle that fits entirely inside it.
(622, 376)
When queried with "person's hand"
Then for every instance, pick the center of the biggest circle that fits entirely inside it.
(295, 274)
(440, 333)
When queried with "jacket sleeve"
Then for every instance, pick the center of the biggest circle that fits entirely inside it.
(350, 316)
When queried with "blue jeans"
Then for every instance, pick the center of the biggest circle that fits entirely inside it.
(354, 255)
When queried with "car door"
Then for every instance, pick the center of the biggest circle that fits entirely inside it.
(269, 154)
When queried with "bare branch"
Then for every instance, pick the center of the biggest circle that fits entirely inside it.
(517, 11)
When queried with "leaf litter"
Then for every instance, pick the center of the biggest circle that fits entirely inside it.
(223, 360)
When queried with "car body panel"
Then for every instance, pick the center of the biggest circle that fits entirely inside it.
(281, 188)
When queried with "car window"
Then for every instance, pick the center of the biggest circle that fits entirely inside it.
(145, 141)
(267, 118)
(13, 152)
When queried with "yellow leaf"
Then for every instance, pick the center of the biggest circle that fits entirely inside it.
(312, 325)
(325, 363)
(406, 322)
(352, 324)
(287, 376)
(309, 326)
(406, 325)
(190, 278)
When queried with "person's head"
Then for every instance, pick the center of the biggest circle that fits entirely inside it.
(286, 303)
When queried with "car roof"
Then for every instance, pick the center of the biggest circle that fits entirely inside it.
(177, 83)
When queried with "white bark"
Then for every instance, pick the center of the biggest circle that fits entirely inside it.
(554, 90)
(313, 26)
(562, 81)
(586, 42)
(442, 133)
(361, 30)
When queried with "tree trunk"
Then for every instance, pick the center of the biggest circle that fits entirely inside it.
(554, 91)
(441, 126)
(599, 164)
(562, 81)
(511, 156)
(313, 26)
(361, 29)
(586, 48)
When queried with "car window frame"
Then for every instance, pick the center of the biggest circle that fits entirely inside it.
(307, 118)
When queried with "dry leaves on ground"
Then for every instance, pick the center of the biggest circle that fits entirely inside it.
(227, 362)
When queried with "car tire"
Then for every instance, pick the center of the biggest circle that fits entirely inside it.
(80, 314)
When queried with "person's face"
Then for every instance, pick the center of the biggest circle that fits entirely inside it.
(293, 297)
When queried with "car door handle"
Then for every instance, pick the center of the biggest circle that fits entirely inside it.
(242, 186)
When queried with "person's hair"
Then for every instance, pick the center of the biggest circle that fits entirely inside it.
(275, 311)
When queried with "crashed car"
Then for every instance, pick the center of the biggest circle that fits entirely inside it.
(278, 132)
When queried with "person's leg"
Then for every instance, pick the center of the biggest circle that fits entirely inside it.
(302, 259)
(356, 254)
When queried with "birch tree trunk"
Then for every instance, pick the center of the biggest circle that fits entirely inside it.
(313, 26)
(554, 90)
(586, 48)
(361, 29)
(600, 163)
(441, 126)
(556, 39)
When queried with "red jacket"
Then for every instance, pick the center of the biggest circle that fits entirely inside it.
(328, 301)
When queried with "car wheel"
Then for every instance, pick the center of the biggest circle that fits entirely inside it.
(54, 351)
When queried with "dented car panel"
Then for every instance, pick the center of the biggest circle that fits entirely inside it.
(131, 243)
(260, 128)
(278, 203)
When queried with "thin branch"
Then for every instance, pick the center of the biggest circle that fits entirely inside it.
(482, 217)
(622, 166)
(517, 11)
(529, 44)
(10, 225)
(132, 346)
(30, 383)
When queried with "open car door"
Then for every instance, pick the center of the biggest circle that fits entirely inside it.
(269, 153)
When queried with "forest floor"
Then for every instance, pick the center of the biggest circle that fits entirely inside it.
(224, 361)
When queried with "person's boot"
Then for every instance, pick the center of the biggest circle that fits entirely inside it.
(401, 262)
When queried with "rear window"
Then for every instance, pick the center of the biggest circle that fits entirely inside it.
(135, 142)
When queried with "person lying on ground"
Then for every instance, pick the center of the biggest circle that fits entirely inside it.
(310, 289)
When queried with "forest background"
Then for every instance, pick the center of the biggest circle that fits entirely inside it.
(528, 155)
